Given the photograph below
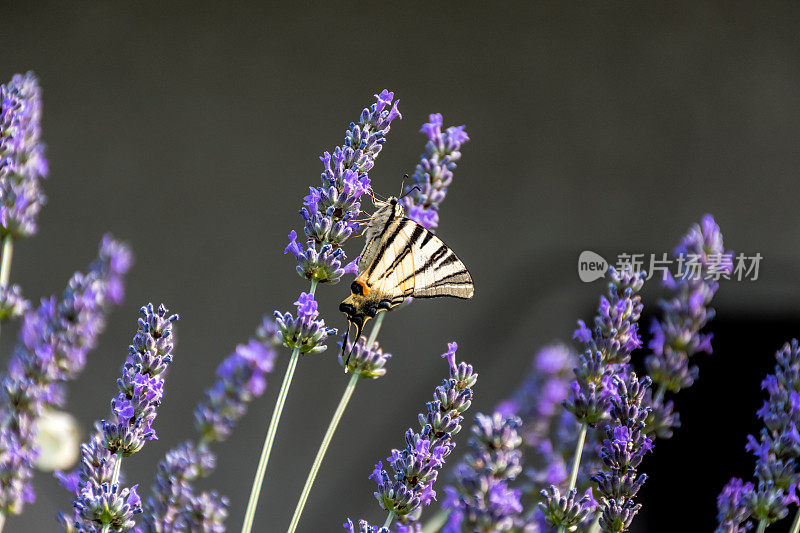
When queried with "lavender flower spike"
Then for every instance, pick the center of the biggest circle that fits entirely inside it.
(623, 450)
(482, 499)
(416, 467)
(241, 378)
(22, 161)
(777, 451)
(330, 212)
(434, 172)
(676, 338)
(53, 343)
(101, 503)
(608, 346)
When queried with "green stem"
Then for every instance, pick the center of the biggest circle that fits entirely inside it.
(796, 523)
(114, 481)
(263, 460)
(255, 491)
(576, 463)
(762, 525)
(5, 266)
(323, 448)
(375, 329)
(2, 521)
(389, 519)
(436, 522)
(5, 275)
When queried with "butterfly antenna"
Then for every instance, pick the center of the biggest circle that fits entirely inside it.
(403, 185)
(409, 191)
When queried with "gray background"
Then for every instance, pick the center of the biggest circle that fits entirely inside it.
(193, 130)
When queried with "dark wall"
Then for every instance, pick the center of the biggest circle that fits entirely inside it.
(193, 130)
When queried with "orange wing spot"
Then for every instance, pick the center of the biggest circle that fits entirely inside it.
(364, 288)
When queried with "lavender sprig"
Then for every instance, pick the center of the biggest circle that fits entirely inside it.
(241, 378)
(101, 503)
(482, 499)
(434, 173)
(608, 347)
(623, 450)
(416, 467)
(54, 340)
(22, 167)
(677, 337)
(777, 449)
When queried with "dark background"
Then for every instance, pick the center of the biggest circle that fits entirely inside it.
(193, 130)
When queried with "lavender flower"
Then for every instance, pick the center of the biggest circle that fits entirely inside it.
(22, 161)
(732, 507)
(676, 338)
(623, 450)
(330, 212)
(304, 332)
(482, 499)
(101, 503)
(366, 362)
(416, 467)
(53, 343)
(174, 504)
(434, 172)
(565, 511)
(777, 450)
(608, 346)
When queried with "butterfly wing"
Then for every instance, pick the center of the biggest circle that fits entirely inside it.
(438, 271)
(411, 261)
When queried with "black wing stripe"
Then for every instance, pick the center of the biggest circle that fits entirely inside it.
(384, 245)
(427, 239)
(396, 262)
(447, 260)
(451, 276)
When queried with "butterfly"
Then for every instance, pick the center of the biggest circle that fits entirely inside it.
(401, 259)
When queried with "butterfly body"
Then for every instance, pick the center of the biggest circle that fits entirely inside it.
(401, 259)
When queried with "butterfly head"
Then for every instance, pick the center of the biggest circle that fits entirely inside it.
(362, 305)
(392, 206)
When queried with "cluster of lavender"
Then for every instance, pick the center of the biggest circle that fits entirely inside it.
(101, 504)
(623, 450)
(366, 362)
(607, 353)
(676, 337)
(22, 161)
(434, 172)
(330, 212)
(416, 467)
(53, 343)
(777, 450)
(482, 499)
(608, 347)
(241, 378)
(304, 332)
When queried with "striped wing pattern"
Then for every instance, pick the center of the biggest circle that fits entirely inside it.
(408, 260)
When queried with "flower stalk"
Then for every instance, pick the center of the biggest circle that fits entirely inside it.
(266, 450)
